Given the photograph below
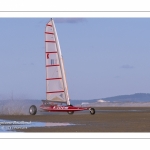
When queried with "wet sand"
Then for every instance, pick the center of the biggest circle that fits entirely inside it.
(106, 119)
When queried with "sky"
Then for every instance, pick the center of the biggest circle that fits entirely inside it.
(103, 57)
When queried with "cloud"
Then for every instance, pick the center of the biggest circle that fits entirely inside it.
(127, 66)
(69, 20)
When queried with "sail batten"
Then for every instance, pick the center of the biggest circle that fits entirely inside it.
(52, 65)
(55, 92)
(50, 52)
(56, 84)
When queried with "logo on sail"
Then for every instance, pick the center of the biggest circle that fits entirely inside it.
(47, 56)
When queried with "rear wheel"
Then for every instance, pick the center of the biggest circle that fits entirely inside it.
(92, 111)
(32, 110)
(70, 112)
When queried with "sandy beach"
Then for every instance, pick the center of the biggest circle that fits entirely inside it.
(108, 119)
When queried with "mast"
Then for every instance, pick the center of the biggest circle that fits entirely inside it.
(56, 84)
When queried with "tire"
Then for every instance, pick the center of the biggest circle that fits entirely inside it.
(32, 110)
(70, 112)
(92, 111)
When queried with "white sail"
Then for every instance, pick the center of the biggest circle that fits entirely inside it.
(56, 84)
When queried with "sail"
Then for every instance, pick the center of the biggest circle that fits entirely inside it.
(56, 84)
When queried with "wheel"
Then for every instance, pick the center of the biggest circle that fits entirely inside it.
(70, 112)
(92, 111)
(32, 110)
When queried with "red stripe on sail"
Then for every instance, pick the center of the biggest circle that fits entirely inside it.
(53, 78)
(49, 33)
(52, 65)
(50, 52)
(49, 25)
(51, 41)
(55, 92)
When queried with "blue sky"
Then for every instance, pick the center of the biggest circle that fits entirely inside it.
(103, 56)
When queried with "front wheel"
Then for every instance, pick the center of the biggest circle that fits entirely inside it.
(70, 112)
(32, 110)
(92, 111)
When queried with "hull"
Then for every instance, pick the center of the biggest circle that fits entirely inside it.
(59, 108)
(62, 108)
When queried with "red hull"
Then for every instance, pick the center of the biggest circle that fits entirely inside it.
(62, 108)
